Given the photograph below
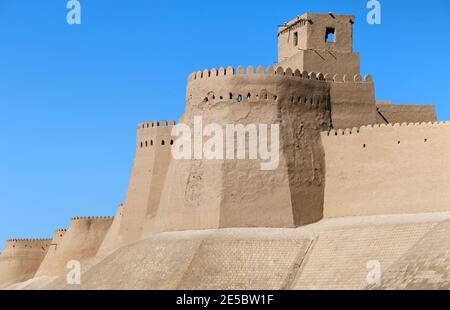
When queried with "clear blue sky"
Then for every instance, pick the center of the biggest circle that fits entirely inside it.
(71, 96)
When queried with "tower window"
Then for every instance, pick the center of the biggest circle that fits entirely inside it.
(295, 38)
(330, 35)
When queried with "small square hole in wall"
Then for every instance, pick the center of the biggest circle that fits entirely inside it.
(295, 38)
(330, 35)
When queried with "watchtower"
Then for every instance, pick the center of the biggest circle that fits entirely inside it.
(318, 43)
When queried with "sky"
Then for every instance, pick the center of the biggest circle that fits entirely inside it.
(71, 96)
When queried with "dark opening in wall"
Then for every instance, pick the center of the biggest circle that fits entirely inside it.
(171, 142)
(295, 38)
(163, 142)
(330, 35)
(239, 98)
(151, 142)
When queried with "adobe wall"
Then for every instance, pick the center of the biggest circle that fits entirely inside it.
(153, 155)
(81, 241)
(324, 61)
(352, 101)
(20, 259)
(405, 113)
(387, 169)
(51, 255)
(205, 194)
(111, 241)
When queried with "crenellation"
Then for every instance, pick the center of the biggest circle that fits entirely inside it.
(381, 127)
(279, 71)
(93, 218)
(155, 124)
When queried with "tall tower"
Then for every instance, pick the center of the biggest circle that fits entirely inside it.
(318, 43)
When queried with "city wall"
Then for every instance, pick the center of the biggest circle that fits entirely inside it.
(387, 169)
(81, 241)
(20, 259)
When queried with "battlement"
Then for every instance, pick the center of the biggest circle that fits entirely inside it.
(18, 246)
(93, 218)
(278, 71)
(24, 241)
(210, 88)
(380, 127)
(152, 134)
(155, 124)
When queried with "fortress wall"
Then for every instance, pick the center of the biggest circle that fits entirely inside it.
(352, 102)
(387, 170)
(20, 259)
(207, 194)
(81, 241)
(51, 254)
(406, 113)
(153, 154)
(110, 243)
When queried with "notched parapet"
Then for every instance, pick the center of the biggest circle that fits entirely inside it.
(96, 218)
(279, 71)
(363, 129)
(13, 245)
(156, 124)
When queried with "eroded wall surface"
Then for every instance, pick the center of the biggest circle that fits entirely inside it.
(20, 260)
(207, 194)
(387, 170)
